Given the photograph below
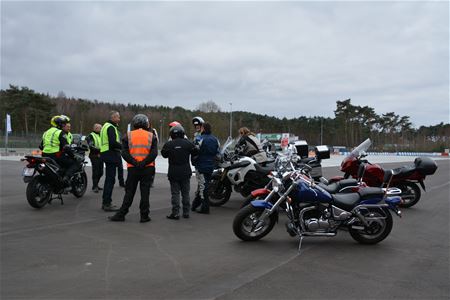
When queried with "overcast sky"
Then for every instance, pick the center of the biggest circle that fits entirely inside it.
(277, 58)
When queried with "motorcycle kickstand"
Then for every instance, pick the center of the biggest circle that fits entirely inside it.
(300, 243)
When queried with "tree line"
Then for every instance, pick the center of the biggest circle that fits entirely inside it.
(31, 112)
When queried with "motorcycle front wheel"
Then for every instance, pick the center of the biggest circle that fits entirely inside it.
(38, 192)
(380, 225)
(247, 227)
(79, 184)
(410, 194)
(219, 192)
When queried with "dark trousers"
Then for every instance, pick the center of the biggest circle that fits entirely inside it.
(110, 179)
(143, 177)
(120, 173)
(183, 187)
(97, 170)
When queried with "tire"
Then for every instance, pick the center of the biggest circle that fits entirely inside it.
(245, 218)
(219, 192)
(38, 193)
(79, 184)
(378, 229)
(410, 194)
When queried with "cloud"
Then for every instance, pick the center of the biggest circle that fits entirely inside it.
(277, 58)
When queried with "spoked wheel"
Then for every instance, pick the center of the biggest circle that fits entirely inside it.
(219, 192)
(38, 193)
(410, 194)
(79, 184)
(247, 227)
(380, 225)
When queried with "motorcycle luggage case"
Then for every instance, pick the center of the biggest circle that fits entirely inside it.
(322, 152)
(302, 148)
(425, 165)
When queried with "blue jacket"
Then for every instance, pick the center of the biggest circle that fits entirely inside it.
(208, 149)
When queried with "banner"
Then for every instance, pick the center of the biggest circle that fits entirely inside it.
(8, 123)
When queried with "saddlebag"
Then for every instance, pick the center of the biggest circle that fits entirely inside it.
(425, 165)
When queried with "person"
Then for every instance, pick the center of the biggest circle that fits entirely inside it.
(55, 144)
(140, 149)
(173, 124)
(110, 154)
(204, 164)
(178, 150)
(197, 122)
(249, 145)
(94, 142)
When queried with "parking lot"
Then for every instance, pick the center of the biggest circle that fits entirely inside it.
(71, 251)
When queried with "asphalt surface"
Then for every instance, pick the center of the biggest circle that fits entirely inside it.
(71, 251)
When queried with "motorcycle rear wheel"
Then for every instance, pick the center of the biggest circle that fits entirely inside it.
(79, 184)
(219, 193)
(246, 227)
(377, 230)
(38, 193)
(410, 194)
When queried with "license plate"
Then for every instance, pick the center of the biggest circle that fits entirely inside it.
(28, 172)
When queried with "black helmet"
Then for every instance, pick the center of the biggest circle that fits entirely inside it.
(198, 121)
(177, 132)
(140, 121)
(59, 121)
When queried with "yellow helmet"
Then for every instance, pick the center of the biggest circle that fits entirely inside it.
(59, 121)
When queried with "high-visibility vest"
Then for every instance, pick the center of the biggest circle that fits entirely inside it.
(69, 138)
(96, 138)
(104, 137)
(50, 140)
(140, 144)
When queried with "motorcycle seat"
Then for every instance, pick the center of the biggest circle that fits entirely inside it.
(263, 170)
(238, 165)
(335, 187)
(404, 171)
(370, 192)
(346, 201)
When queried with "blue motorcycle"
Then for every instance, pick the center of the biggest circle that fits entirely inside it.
(312, 211)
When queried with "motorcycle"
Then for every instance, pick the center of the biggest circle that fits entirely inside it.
(312, 211)
(407, 178)
(241, 172)
(295, 158)
(45, 178)
(246, 175)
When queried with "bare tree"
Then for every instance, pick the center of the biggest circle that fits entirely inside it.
(208, 107)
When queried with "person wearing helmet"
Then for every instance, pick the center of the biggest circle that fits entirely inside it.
(140, 149)
(197, 122)
(178, 150)
(173, 124)
(110, 147)
(54, 145)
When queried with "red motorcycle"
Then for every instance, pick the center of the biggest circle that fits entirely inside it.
(406, 178)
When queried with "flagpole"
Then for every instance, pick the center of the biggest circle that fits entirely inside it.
(6, 134)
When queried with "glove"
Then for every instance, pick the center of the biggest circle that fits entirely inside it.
(140, 165)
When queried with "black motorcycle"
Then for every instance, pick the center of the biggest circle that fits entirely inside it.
(45, 178)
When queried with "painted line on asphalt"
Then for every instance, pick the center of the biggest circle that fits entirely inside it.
(439, 186)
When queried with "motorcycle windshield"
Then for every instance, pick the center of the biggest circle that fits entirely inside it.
(227, 144)
(363, 147)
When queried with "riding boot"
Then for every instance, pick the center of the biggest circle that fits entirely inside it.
(196, 202)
